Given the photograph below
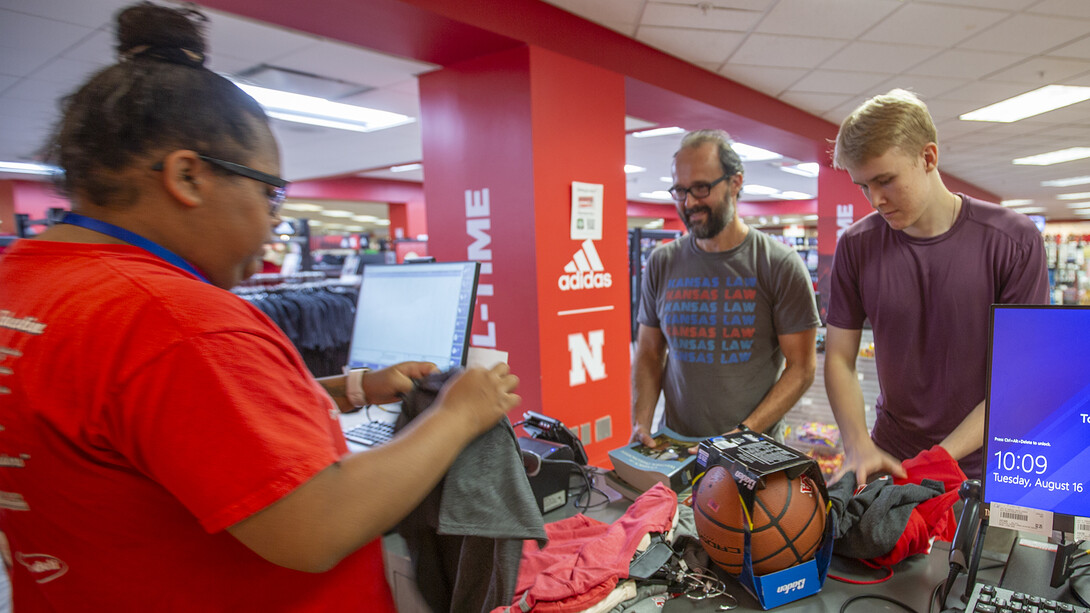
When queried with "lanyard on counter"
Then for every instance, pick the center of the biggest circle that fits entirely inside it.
(134, 239)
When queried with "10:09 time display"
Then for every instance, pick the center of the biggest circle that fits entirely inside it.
(1026, 462)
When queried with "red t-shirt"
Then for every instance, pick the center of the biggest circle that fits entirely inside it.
(143, 412)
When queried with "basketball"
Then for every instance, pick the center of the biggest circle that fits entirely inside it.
(788, 521)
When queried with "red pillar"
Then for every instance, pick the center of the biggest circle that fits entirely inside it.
(840, 203)
(504, 137)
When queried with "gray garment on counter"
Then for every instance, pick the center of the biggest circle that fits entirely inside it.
(465, 538)
(868, 524)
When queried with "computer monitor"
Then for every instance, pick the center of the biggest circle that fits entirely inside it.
(414, 312)
(1037, 420)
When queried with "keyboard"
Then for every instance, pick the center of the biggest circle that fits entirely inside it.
(371, 433)
(992, 599)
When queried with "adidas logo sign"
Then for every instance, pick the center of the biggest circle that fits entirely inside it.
(585, 270)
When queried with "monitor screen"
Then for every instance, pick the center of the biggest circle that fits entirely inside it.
(414, 312)
(1037, 424)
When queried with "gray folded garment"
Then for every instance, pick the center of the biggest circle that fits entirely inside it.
(868, 524)
(465, 538)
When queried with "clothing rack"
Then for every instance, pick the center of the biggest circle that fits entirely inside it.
(317, 316)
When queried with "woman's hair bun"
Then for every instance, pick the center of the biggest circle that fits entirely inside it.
(161, 33)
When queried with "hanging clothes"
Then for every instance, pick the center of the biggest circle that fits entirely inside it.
(317, 317)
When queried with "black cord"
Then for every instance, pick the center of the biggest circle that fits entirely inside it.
(892, 601)
(588, 486)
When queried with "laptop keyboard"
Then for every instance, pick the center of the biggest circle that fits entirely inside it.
(370, 433)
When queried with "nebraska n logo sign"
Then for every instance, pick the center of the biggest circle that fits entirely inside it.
(586, 357)
(585, 270)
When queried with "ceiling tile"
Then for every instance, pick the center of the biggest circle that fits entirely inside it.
(815, 103)
(615, 11)
(942, 26)
(697, 16)
(879, 57)
(985, 92)
(250, 40)
(46, 36)
(88, 13)
(693, 45)
(928, 88)
(842, 19)
(764, 79)
(1064, 8)
(69, 72)
(1078, 49)
(1028, 34)
(352, 64)
(785, 51)
(837, 82)
(1007, 5)
(20, 62)
(1041, 71)
(965, 63)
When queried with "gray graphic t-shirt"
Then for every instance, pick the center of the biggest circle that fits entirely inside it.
(721, 314)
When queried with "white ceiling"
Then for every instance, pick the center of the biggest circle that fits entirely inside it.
(823, 56)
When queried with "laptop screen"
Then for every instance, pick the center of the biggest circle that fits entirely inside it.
(1037, 430)
(414, 312)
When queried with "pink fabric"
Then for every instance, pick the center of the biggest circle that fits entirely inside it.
(932, 518)
(585, 558)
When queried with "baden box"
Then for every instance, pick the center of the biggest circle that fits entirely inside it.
(751, 458)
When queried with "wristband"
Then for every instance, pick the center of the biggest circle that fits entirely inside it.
(354, 387)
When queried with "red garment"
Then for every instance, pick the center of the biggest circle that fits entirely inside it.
(144, 413)
(585, 557)
(932, 518)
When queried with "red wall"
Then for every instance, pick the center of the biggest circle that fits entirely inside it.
(33, 198)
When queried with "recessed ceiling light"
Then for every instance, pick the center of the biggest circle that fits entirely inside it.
(1078, 205)
(806, 169)
(382, 222)
(749, 153)
(303, 206)
(300, 108)
(1054, 157)
(659, 194)
(1030, 209)
(666, 179)
(364, 218)
(1073, 196)
(632, 168)
(759, 190)
(1068, 182)
(658, 132)
(792, 195)
(1017, 202)
(30, 168)
(1047, 98)
(338, 213)
(654, 223)
(406, 167)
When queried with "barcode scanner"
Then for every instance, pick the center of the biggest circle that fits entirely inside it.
(968, 539)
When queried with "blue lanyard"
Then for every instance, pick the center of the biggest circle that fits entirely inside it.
(134, 239)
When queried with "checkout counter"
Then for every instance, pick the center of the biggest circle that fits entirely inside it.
(914, 582)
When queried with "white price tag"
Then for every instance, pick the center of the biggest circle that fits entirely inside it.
(1082, 528)
(1021, 518)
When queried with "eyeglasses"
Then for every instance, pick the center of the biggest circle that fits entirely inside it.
(278, 186)
(696, 190)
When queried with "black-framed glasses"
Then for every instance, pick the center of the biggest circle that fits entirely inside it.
(279, 187)
(696, 190)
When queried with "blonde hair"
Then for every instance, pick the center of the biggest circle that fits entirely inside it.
(895, 119)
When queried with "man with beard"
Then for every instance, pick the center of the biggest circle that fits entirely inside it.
(727, 314)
